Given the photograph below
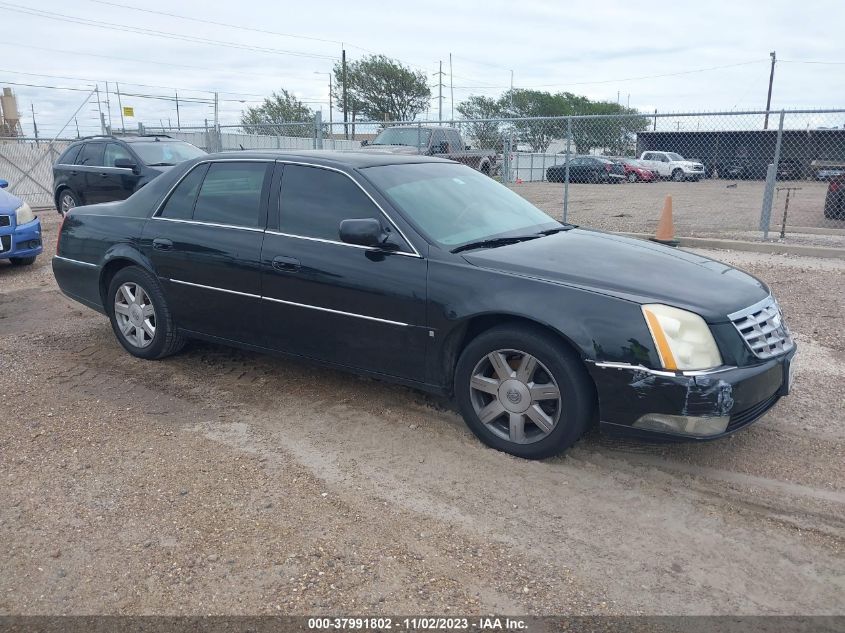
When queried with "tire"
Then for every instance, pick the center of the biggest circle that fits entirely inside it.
(563, 419)
(67, 201)
(165, 339)
(594, 178)
(22, 261)
(632, 176)
(678, 175)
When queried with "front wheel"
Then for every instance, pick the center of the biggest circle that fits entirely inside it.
(678, 175)
(22, 261)
(632, 176)
(139, 315)
(522, 392)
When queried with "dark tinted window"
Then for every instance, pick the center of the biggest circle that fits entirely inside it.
(180, 204)
(69, 157)
(91, 155)
(113, 152)
(231, 194)
(314, 201)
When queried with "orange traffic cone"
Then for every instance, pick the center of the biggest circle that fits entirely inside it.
(665, 230)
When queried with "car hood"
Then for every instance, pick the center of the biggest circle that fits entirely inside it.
(687, 163)
(632, 269)
(8, 202)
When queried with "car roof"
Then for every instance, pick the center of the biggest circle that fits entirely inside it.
(146, 138)
(330, 158)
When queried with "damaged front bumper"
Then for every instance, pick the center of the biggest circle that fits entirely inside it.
(695, 405)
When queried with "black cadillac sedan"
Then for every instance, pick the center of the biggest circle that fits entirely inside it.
(424, 272)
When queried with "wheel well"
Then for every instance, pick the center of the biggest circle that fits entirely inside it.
(59, 193)
(480, 324)
(109, 271)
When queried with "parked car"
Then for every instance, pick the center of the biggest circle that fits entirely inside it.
(672, 165)
(20, 230)
(107, 168)
(834, 201)
(595, 169)
(746, 169)
(634, 170)
(425, 272)
(432, 140)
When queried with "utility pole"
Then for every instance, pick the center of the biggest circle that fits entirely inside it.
(343, 78)
(108, 106)
(451, 89)
(100, 110)
(769, 97)
(511, 93)
(75, 120)
(120, 107)
(655, 120)
(439, 74)
(34, 124)
(178, 121)
(216, 108)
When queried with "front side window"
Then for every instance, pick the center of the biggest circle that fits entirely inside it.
(231, 194)
(91, 155)
(315, 201)
(454, 204)
(113, 152)
(180, 204)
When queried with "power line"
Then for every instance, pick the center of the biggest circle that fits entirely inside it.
(50, 15)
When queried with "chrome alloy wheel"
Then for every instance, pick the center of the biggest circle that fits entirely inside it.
(515, 396)
(67, 202)
(135, 314)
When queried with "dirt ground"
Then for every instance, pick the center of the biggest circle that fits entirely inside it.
(709, 208)
(225, 482)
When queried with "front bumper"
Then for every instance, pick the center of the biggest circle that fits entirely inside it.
(626, 393)
(23, 240)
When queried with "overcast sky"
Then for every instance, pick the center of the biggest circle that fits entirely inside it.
(600, 49)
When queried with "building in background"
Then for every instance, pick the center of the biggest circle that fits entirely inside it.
(10, 119)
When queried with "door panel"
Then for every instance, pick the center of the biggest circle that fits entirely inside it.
(324, 299)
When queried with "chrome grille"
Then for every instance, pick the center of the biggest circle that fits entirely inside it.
(762, 328)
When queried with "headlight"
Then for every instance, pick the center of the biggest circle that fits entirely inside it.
(23, 214)
(683, 339)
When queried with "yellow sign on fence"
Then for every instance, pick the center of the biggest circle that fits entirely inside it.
(128, 111)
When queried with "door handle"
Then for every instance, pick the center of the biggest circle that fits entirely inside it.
(286, 264)
(103, 175)
(162, 244)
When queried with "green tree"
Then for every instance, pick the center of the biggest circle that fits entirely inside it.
(277, 114)
(484, 133)
(379, 87)
(615, 133)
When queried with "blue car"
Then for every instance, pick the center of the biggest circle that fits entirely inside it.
(20, 230)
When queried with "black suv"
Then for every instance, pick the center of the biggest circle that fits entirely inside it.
(106, 168)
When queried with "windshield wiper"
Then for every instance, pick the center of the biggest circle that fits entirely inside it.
(160, 164)
(496, 241)
(565, 227)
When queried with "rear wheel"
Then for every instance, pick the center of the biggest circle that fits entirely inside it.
(595, 177)
(139, 315)
(22, 261)
(522, 392)
(632, 176)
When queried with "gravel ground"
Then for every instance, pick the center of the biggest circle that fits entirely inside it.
(226, 482)
(709, 208)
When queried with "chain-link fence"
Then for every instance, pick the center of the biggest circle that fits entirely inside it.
(27, 165)
(729, 174)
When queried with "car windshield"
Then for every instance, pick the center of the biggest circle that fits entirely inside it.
(411, 136)
(674, 156)
(455, 205)
(166, 152)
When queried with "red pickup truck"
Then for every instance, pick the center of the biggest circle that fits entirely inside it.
(432, 140)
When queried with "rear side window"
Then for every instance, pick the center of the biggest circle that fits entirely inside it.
(180, 204)
(231, 194)
(91, 155)
(69, 157)
(314, 201)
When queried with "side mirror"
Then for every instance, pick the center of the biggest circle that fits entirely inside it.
(362, 232)
(4, 183)
(364, 143)
(125, 163)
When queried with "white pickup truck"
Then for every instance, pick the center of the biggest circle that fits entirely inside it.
(672, 165)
